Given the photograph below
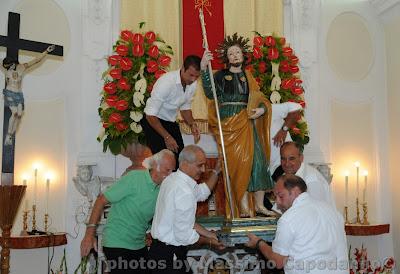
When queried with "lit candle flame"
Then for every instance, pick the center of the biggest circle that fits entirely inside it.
(36, 165)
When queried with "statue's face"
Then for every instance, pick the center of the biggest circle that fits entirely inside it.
(85, 173)
(235, 55)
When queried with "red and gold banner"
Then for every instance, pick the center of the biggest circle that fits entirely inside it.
(191, 32)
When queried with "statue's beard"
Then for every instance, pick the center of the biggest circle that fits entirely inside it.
(236, 65)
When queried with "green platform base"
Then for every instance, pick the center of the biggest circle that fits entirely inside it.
(234, 232)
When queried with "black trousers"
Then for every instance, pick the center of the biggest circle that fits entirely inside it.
(156, 142)
(125, 261)
(168, 259)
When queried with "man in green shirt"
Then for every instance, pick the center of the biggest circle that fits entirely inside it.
(132, 199)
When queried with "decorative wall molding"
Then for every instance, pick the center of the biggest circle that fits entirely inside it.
(302, 20)
(324, 169)
(382, 6)
(100, 28)
(97, 24)
(303, 17)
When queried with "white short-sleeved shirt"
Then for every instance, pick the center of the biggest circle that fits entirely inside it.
(167, 97)
(279, 113)
(311, 233)
(175, 212)
(317, 186)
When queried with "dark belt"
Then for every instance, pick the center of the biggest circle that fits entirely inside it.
(156, 241)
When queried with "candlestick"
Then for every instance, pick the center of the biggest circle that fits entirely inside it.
(365, 214)
(346, 215)
(357, 164)
(47, 194)
(33, 217)
(24, 223)
(365, 186)
(24, 182)
(346, 188)
(46, 222)
(358, 220)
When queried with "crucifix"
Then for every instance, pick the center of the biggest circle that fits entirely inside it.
(13, 96)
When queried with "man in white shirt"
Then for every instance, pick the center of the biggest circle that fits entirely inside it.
(292, 162)
(174, 226)
(284, 116)
(173, 91)
(310, 236)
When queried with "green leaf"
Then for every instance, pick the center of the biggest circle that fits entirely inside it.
(106, 142)
(141, 25)
(115, 147)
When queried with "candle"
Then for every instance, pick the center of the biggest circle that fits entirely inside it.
(346, 188)
(365, 186)
(357, 164)
(24, 182)
(36, 167)
(35, 187)
(47, 194)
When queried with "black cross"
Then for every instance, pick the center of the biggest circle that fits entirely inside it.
(14, 43)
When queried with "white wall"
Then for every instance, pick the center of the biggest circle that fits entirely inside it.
(359, 98)
(391, 20)
(353, 84)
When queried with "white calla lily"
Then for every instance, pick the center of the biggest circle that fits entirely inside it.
(136, 116)
(138, 99)
(140, 72)
(141, 85)
(161, 46)
(104, 106)
(275, 97)
(101, 135)
(137, 128)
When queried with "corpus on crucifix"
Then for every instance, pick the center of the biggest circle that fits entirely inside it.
(13, 96)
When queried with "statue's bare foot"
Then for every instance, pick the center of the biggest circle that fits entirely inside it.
(244, 214)
(8, 140)
(244, 206)
(265, 212)
(244, 210)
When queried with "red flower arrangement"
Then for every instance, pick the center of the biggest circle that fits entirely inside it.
(139, 60)
(362, 265)
(275, 67)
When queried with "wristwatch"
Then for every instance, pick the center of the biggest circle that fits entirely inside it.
(285, 128)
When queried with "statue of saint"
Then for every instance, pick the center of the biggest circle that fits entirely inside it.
(245, 120)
